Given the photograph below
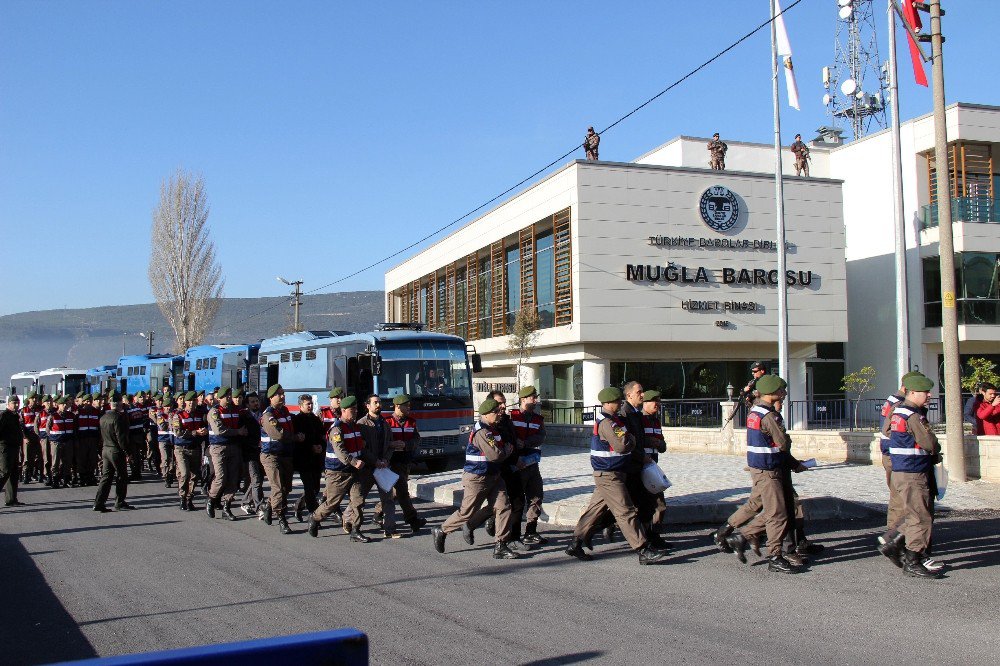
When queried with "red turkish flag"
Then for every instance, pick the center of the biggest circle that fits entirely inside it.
(913, 18)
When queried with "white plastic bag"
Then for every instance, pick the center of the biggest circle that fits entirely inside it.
(654, 479)
(941, 476)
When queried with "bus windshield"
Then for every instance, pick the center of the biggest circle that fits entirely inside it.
(425, 368)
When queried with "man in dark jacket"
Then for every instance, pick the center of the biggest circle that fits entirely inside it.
(308, 455)
(115, 436)
(11, 437)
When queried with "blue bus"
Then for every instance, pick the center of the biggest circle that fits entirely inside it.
(208, 366)
(148, 372)
(102, 379)
(433, 368)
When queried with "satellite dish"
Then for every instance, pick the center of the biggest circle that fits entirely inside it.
(844, 3)
(826, 100)
(845, 12)
(860, 94)
(848, 87)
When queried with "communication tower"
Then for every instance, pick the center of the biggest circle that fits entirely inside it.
(856, 84)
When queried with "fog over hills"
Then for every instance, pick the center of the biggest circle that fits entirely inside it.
(89, 337)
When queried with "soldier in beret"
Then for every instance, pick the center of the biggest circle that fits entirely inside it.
(347, 461)
(277, 443)
(914, 450)
(768, 457)
(611, 446)
(33, 461)
(115, 435)
(529, 428)
(481, 482)
(46, 445)
(188, 428)
(225, 437)
(88, 419)
(160, 418)
(62, 435)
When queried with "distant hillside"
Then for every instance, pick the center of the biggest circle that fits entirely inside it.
(86, 338)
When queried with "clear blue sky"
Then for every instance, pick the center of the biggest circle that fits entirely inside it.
(331, 134)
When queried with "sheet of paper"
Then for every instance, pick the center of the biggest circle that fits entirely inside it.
(385, 478)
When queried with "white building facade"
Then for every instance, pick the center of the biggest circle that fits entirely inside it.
(660, 270)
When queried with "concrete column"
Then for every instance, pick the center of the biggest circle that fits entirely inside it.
(798, 419)
(529, 375)
(596, 376)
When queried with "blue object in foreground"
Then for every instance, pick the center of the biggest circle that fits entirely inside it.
(341, 647)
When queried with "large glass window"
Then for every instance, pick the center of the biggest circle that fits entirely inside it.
(977, 287)
(545, 280)
(423, 303)
(513, 273)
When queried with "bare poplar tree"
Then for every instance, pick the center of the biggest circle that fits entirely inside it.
(523, 336)
(183, 271)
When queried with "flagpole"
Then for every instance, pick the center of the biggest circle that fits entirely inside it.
(779, 204)
(902, 306)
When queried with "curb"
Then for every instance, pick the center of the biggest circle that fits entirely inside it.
(448, 492)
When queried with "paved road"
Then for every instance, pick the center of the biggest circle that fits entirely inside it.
(78, 584)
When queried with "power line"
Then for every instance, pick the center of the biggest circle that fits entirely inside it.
(524, 180)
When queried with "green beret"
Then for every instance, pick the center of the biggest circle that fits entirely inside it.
(238, 393)
(190, 396)
(223, 392)
(47, 398)
(610, 394)
(79, 394)
(487, 406)
(650, 395)
(31, 395)
(62, 400)
(168, 402)
(401, 399)
(114, 396)
(273, 389)
(527, 392)
(349, 401)
(769, 384)
(86, 397)
(201, 393)
(918, 382)
(336, 392)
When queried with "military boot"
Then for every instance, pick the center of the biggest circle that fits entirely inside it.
(358, 536)
(780, 565)
(491, 526)
(267, 517)
(300, 509)
(438, 537)
(283, 525)
(531, 535)
(184, 504)
(576, 550)
(502, 552)
(210, 507)
(468, 534)
(891, 544)
(650, 555)
(313, 527)
(190, 501)
(914, 566)
(738, 545)
(227, 510)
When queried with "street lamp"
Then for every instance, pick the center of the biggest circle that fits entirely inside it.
(148, 335)
(296, 295)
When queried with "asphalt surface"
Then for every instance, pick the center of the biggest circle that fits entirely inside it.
(78, 584)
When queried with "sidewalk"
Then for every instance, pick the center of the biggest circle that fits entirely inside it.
(707, 488)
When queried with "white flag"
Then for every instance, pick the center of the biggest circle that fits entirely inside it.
(785, 53)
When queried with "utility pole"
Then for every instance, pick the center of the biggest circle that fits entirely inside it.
(149, 338)
(954, 445)
(296, 298)
(779, 204)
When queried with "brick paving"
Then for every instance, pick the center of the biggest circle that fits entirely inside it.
(706, 488)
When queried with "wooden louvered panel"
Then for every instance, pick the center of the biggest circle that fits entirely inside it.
(450, 303)
(415, 301)
(499, 289)
(563, 259)
(432, 301)
(472, 296)
(388, 307)
(526, 242)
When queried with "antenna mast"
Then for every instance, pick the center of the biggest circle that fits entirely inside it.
(856, 84)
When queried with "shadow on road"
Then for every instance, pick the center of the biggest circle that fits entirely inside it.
(37, 626)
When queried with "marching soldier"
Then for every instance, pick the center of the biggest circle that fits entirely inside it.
(188, 428)
(62, 435)
(331, 412)
(717, 153)
(914, 451)
(892, 514)
(405, 439)
(611, 447)
(277, 443)
(42, 426)
(136, 415)
(33, 461)
(225, 433)
(482, 483)
(88, 420)
(309, 455)
(162, 417)
(116, 437)
(801, 153)
(154, 460)
(768, 445)
(378, 437)
(346, 460)
(654, 446)
(591, 143)
(253, 471)
(529, 426)
(11, 439)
